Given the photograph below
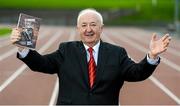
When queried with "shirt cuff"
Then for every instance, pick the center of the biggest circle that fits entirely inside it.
(23, 53)
(153, 61)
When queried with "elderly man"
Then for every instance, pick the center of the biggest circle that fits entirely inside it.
(91, 71)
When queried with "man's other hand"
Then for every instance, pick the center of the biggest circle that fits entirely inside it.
(158, 46)
(15, 35)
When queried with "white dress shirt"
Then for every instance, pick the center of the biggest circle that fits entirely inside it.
(95, 52)
(23, 53)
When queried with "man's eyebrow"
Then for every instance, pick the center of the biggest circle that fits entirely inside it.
(93, 22)
(84, 23)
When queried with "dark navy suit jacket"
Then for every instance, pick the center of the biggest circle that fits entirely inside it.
(69, 62)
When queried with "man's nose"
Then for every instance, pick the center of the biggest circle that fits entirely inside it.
(89, 28)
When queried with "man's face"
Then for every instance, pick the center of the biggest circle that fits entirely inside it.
(89, 28)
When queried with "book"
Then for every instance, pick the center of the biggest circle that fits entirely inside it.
(29, 28)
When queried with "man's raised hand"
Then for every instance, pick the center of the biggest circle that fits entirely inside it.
(158, 46)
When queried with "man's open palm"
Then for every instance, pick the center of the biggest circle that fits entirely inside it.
(158, 46)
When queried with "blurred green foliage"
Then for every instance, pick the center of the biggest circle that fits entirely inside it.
(147, 10)
(4, 31)
(149, 13)
(70, 4)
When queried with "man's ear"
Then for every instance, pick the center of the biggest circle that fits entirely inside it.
(77, 27)
(102, 27)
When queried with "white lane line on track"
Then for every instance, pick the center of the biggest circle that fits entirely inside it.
(141, 48)
(4, 38)
(153, 79)
(166, 90)
(5, 41)
(54, 94)
(170, 50)
(56, 87)
(7, 54)
(162, 33)
(23, 67)
(12, 51)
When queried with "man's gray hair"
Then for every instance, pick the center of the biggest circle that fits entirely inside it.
(90, 10)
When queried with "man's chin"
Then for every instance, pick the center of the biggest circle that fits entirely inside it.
(90, 43)
(89, 40)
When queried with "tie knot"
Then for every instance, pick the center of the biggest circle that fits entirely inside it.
(90, 50)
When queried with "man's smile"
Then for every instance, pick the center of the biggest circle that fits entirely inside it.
(89, 33)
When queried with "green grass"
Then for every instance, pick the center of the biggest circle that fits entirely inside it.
(67, 4)
(147, 13)
(74, 4)
(4, 31)
(162, 13)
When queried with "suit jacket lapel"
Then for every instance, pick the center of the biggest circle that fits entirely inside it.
(102, 58)
(82, 57)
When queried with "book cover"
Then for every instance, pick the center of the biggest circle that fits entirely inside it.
(29, 28)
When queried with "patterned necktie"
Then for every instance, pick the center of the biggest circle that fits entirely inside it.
(92, 68)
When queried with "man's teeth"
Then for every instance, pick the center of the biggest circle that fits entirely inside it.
(89, 34)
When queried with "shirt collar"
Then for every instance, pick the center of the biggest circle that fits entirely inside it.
(95, 48)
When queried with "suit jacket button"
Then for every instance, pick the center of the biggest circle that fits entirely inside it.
(90, 93)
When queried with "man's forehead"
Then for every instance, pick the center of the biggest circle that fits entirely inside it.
(89, 17)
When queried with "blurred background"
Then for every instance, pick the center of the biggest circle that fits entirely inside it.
(128, 23)
(143, 13)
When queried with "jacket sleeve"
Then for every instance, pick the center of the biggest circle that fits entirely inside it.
(133, 71)
(49, 63)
